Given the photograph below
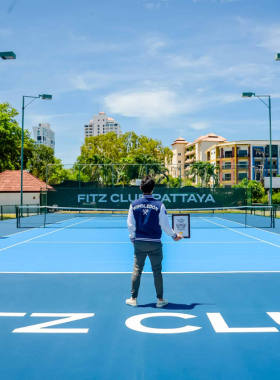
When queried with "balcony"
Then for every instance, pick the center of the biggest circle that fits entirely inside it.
(226, 179)
(190, 161)
(190, 152)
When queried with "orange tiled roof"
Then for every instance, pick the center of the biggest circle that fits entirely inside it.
(179, 140)
(210, 137)
(10, 181)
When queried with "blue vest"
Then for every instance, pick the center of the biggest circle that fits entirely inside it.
(146, 214)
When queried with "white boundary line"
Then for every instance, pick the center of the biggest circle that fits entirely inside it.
(256, 228)
(238, 232)
(223, 272)
(48, 233)
(128, 242)
(21, 232)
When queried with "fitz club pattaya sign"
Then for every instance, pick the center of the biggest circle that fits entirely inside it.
(114, 198)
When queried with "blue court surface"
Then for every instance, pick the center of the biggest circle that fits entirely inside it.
(63, 313)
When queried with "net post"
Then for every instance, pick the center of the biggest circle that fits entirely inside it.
(17, 216)
(45, 216)
(1, 214)
(46, 185)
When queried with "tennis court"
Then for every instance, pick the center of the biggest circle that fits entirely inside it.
(65, 276)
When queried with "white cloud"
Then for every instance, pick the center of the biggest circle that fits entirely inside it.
(157, 104)
(271, 39)
(153, 44)
(200, 125)
(142, 104)
(151, 6)
(91, 80)
(5, 33)
(215, 1)
(180, 61)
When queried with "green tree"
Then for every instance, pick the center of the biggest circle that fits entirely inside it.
(256, 187)
(37, 164)
(10, 140)
(203, 171)
(107, 156)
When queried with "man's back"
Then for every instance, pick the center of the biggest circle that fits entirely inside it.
(146, 211)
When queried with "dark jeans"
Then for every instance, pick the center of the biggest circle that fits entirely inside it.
(142, 249)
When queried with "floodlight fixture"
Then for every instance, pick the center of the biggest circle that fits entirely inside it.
(46, 97)
(277, 58)
(247, 94)
(7, 55)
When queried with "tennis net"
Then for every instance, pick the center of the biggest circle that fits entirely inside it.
(72, 217)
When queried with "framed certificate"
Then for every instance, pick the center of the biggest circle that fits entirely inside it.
(181, 224)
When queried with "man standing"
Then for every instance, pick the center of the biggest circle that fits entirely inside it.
(146, 219)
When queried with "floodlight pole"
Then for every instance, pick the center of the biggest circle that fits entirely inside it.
(249, 95)
(22, 137)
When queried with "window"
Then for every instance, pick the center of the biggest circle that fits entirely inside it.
(258, 152)
(227, 165)
(116, 125)
(179, 154)
(179, 162)
(242, 153)
(227, 177)
(242, 164)
(228, 154)
(39, 138)
(274, 151)
(258, 176)
(242, 176)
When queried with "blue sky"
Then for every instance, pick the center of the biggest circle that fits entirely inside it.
(164, 68)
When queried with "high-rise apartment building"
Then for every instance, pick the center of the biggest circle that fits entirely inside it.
(101, 124)
(44, 135)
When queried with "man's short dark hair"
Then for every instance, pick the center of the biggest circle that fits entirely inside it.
(147, 184)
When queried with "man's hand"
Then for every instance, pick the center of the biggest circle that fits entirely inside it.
(178, 237)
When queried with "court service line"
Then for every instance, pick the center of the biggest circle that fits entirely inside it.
(128, 242)
(223, 272)
(48, 233)
(238, 232)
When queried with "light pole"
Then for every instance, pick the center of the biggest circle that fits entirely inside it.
(44, 96)
(7, 55)
(249, 95)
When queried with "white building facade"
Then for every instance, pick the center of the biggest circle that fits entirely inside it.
(44, 135)
(101, 124)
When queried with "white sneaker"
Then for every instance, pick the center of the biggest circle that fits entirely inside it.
(162, 303)
(131, 302)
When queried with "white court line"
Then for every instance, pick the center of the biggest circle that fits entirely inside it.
(128, 242)
(256, 228)
(48, 233)
(238, 232)
(223, 272)
(21, 232)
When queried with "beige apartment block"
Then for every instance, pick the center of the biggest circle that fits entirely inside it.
(186, 153)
